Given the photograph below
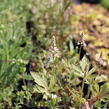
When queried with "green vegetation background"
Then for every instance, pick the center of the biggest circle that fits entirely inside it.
(13, 57)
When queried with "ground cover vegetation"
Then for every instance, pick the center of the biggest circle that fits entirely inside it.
(45, 60)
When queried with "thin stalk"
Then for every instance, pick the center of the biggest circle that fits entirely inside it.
(88, 93)
(83, 86)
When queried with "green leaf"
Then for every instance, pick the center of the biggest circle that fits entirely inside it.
(84, 63)
(71, 45)
(78, 74)
(104, 88)
(39, 89)
(94, 88)
(91, 71)
(101, 78)
(52, 82)
(40, 80)
(78, 70)
(42, 90)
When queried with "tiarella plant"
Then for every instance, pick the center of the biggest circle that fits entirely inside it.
(70, 76)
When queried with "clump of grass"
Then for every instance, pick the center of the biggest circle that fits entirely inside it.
(13, 56)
